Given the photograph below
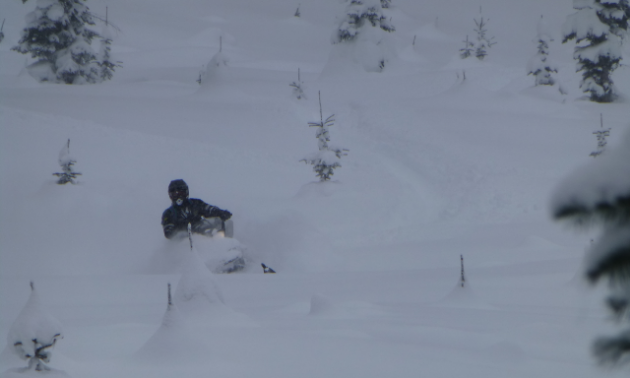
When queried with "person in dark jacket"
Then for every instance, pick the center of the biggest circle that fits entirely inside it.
(204, 219)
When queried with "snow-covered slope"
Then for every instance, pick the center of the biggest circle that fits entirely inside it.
(439, 166)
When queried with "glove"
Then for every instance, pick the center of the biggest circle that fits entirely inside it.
(225, 215)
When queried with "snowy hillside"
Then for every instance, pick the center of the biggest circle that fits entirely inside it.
(368, 264)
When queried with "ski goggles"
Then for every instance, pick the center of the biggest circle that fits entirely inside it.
(178, 193)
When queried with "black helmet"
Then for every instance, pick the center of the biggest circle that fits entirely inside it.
(178, 189)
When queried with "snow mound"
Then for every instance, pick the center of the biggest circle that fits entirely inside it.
(357, 59)
(29, 373)
(431, 31)
(318, 190)
(506, 351)
(199, 298)
(553, 93)
(173, 342)
(463, 297)
(34, 330)
(210, 37)
(217, 71)
(604, 180)
(322, 306)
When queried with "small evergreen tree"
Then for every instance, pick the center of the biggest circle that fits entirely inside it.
(107, 66)
(298, 90)
(483, 42)
(34, 333)
(601, 137)
(360, 14)
(361, 35)
(598, 27)
(297, 12)
(56, 35)
(467, 50)
(326, 160)
(599, 195)
(540, 65)
(480, 49)
(213, 70)
(66, 162)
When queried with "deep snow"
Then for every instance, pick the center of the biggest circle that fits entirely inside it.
(368, 264)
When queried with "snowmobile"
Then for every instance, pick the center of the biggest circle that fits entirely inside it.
(214, 241)
(216, 247)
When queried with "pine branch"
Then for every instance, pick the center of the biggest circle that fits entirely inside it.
(615, 264)
(619, 306)
(613, 350)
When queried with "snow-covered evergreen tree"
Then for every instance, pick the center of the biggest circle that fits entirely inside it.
(175, 340)
(598, 27)
(56, 34)
(599, 195)
(362, 28)
(66, 162)
(358, 15)
(298, 87)
(601, 135)
(107, 66)
(213, 70)
(326, 160)
(34, 334)
(197, 291)
(540, 65)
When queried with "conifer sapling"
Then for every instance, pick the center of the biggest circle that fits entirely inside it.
(326, 160)
(34, 333)
(601, 137)
(467, 50)
(212, 71)
(298, 90)
(540, 66)
(479, 49)
(66, 162)
(483, 42)
(107, 66)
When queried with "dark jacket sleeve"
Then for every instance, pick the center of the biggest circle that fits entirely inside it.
(168, 224)
(209, 211)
